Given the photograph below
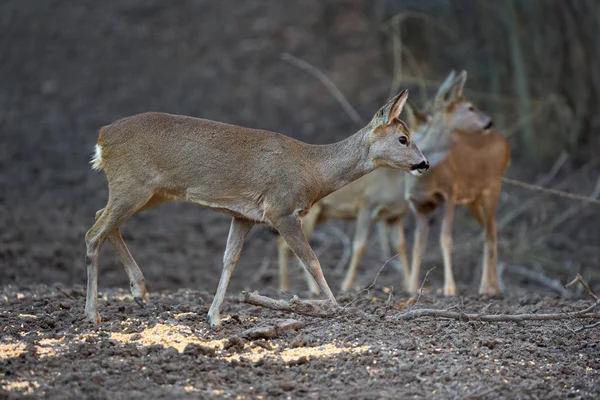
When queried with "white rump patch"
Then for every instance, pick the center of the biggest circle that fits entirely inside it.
(96, 161)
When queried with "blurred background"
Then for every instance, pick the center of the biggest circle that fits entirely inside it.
(67, 68)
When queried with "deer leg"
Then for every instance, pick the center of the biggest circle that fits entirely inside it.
(446, 244)
(137, 282)
(363, 226)
(290, 228)
(309, 223)
(400, 240)
(235, 241)
(420, 242)
(118, 210)
(283, 253)
(384, 239)
(490, 282)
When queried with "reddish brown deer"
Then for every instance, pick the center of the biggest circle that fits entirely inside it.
(469, 159)
(255, 176)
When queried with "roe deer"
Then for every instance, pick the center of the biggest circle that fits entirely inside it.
(376, 197)
(468, 159)
(255, 176)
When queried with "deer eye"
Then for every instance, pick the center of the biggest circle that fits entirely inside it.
(403, 140)
(471, 108)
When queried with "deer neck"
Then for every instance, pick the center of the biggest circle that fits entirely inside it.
(342, 162)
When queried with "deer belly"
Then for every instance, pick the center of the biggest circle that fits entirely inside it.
(239, 207)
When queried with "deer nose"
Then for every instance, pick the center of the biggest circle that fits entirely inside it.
(489, 125)
(422, 166)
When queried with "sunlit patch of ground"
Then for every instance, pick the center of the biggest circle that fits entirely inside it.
(10, 348)
(178, 336)
(19, 385)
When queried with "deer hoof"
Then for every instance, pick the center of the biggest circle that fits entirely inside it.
(140, 302)
(93, 319)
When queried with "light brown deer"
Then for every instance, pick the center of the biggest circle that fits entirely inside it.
(376, 197)
(469, 159)
(255, 176)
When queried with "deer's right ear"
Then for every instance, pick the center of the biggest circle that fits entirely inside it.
(392, 109)
(456, 88)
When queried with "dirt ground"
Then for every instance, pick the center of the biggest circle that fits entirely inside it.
(68, 68)
(166, 350)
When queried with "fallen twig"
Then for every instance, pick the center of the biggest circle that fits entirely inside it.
(421, 288)
(465, 317)
(313, 308)
(587, 313)
(270, 331)
(585, 285)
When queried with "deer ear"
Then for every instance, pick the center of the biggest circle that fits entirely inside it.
(456, 88)
(444, 87)
(392, 109)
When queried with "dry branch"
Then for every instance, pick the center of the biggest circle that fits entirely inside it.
(587, 313)
(314, 308)
(585, 285)
(333, 89)
(465, 317)
(270, 331)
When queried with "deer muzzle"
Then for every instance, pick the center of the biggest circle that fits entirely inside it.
(418, 169)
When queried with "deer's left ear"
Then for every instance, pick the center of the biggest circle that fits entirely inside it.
(455, 91)
(396, 106)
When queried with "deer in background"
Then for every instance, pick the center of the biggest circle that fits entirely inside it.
(376, 197)
(468, 159)
(255, 176)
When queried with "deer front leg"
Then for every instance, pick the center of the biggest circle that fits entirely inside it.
(400, 240)
(290, 227)
(490, 283)
(384, 239)
(309, 223)
(446, 244)
(283, 254)
(420, 242)
(363, 226)
(235, 241)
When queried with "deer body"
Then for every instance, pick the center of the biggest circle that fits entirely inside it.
(473, 159)
(255, 176)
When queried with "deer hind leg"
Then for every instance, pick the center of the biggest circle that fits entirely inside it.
(400, 240)
(290, 227)
(490, 281)
(446, 245)
(118, 210)
(420, 242)
(363, 226)
(235, 241)
(137, 282)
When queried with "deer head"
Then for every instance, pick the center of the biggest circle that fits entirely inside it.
(451, 112)
(390, 141)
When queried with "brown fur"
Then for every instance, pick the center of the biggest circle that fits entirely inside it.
(255, 176)
(470, 173)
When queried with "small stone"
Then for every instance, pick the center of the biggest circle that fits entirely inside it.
(287, 385)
